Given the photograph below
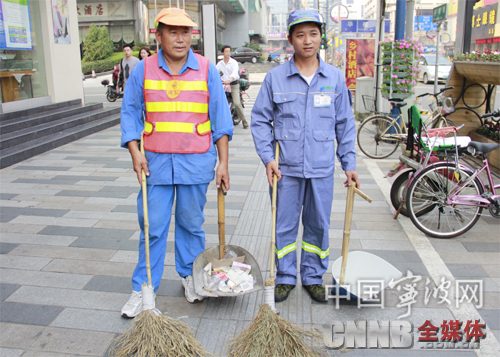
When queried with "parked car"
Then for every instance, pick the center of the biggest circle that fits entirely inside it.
(246, 54)
(428, 68)
(275, 55)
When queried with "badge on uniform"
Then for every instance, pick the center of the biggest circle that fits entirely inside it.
(322, 100)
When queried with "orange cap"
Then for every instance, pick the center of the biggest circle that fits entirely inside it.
(174, 17)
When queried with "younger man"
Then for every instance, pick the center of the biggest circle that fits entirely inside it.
(304, 105)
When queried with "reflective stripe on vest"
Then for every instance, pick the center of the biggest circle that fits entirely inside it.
(185, 86)
(172, 127)
(176, 109)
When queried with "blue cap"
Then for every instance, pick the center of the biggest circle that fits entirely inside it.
(299, 16)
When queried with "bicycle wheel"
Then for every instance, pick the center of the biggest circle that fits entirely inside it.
(376, 137)
(399, 190)
(442, 122)
(430, 190)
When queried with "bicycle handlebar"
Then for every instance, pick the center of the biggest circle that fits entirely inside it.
(435, 94)
(495, 115)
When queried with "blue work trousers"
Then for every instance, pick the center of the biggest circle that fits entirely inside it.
(313, 197)
(189, 236)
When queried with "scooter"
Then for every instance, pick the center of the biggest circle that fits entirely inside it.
(244, 85)
(111, 93)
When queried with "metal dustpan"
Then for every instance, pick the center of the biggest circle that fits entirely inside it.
(217, 256)
(359, 274)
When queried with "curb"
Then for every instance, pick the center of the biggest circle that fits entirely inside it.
(85, 76)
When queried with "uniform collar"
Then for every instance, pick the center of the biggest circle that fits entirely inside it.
(292, 68)
(191, 62)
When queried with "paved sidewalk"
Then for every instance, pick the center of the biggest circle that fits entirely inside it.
(69, 237)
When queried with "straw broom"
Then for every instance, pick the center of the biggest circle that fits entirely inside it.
(153, 334)
(269, 334)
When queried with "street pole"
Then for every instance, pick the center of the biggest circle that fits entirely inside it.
(437, 56)
(410, 5)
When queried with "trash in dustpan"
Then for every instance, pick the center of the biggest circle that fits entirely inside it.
(361, 275)
(237, 274)
(366, 275)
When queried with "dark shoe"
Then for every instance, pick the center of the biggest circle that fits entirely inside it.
(317, 292)
(245, 126)
(282, 291)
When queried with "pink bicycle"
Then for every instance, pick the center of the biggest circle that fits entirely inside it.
(446, 199)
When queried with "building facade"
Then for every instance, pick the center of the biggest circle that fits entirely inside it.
(39, 53)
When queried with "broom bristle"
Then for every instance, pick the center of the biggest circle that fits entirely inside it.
(271, 335)
(154, 336)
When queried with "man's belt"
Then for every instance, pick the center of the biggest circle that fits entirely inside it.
(177, 127)
(234, 82)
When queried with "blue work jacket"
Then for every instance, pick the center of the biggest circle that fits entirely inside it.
(285, 111)
(170, 169)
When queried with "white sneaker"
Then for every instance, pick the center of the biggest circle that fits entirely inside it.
(133, 307)
(191, 296)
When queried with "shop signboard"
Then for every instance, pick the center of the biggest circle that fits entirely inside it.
(483, 22)
(359, 60)
(364, 26)
(15, 25)
(276, 35)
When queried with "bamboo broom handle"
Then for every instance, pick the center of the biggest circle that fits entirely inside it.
(347, 225)
(347, 229)
(222, 220)
(274, 199)
(146, 217)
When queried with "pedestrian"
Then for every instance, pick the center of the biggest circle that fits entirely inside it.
(145, 52)
(126, 65)
(115, 75)
(304, 105)
(186, 118)
(229, 68)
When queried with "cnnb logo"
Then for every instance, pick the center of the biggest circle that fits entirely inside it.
(369, 334)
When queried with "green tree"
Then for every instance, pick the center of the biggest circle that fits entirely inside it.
(253, 46)
(97, 44)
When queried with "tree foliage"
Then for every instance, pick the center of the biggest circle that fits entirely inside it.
(253, 46)
(97, 44)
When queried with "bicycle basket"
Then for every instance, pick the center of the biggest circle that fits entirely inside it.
(369, 103)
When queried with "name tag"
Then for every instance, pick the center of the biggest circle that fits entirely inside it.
(322, 100)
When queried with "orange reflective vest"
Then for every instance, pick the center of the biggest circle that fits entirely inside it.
(176, 109)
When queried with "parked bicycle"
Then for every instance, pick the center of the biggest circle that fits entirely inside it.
(446, 199)
(380, 135)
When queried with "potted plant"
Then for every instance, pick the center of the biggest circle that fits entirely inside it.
(479, 67)
(400, 67)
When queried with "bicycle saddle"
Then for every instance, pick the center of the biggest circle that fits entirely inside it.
(398, 104)
(483, 148)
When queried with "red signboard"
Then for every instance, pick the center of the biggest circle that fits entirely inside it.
(359, 60)
(483, 41)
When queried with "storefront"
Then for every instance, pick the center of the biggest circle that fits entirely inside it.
(39, 57)
(485, 26)
(126, 20)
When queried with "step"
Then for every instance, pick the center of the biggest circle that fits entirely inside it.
(32, 133)
(38, 110)
(12, 125)
(20, 153)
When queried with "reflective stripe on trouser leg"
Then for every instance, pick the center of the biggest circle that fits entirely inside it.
(189, 217)
(318, 199)
(235, 94)
(289, 207)
(160, 200)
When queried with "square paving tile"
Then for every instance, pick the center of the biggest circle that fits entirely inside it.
(469, 270)
(7, 289)
(482, 247)
(7, 247)
(28, 314)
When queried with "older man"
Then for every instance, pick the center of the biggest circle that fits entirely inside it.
(186, 116)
